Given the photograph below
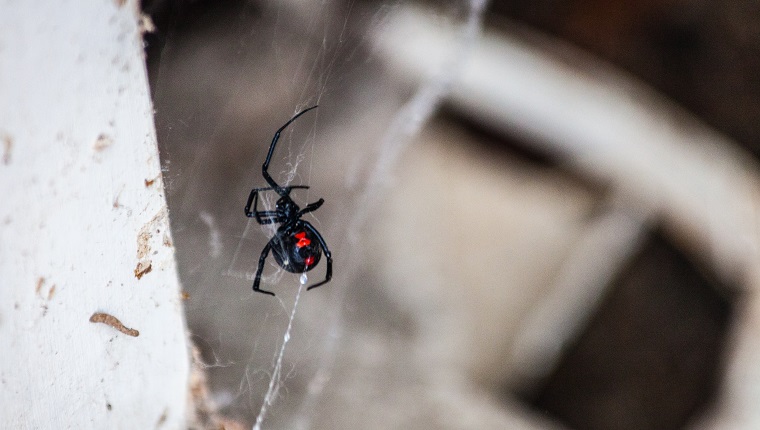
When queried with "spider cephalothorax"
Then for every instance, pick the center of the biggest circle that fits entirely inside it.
(297, 246)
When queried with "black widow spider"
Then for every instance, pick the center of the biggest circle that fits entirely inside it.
(297, 245)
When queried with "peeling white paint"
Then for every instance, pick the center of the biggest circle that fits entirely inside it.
(76, 124)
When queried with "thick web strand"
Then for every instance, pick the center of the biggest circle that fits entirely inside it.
(274, 381)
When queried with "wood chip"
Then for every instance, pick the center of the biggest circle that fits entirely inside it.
(99, 317)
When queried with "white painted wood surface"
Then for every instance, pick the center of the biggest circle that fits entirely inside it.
(82, 206)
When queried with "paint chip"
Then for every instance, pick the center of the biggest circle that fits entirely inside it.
(146, 24)
(143, 268)
(102, 142)
(7, 147)
(38, 287)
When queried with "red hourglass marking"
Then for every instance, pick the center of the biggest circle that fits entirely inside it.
(302, 240)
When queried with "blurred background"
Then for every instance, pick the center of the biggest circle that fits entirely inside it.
(543, 214)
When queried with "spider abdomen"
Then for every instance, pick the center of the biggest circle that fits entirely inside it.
(297, 250)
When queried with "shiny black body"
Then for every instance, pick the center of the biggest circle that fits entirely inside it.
(297, 246)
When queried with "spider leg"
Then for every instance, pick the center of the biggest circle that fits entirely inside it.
(262, 217)
(311, 207)
(257, 279)
(252, 200)
(270, 217)
(328, 255)
(280, 190)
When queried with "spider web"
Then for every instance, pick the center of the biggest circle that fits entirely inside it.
(225, 79)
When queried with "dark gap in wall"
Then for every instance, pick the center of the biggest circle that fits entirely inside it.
(651, 356)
